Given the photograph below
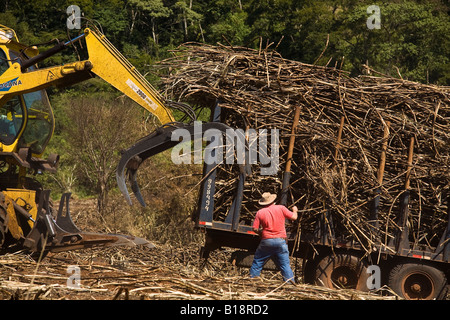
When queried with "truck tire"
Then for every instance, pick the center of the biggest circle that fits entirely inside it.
(342, 271)
(3, 228)
(417, 281)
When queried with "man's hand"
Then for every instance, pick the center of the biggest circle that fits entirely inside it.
(295, 215)
(257, 231)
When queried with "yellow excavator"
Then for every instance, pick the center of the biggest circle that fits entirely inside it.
(27, 219)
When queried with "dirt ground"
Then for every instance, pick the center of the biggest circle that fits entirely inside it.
(161, 273)
(166, 272)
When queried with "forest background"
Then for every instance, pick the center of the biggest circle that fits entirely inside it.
(94, 121)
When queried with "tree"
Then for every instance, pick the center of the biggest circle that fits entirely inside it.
(98, 128)
(187, 16)
(229, 20)
(412, 43)
(146, 12)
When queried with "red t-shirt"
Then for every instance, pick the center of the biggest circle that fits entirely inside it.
(272, 219)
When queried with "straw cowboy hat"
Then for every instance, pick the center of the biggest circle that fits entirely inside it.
(267, 198)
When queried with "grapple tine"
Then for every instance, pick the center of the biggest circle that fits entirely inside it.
(135, 187)
(135, 241)
(128, 168)
(132, 158)
(64, 219)
(120, 178)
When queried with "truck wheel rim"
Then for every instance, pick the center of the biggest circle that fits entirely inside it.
(344, 277)
(418, 286)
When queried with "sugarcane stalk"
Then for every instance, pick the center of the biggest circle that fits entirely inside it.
(373, 218)
(287, 170)
(339, 137)
(403, 234)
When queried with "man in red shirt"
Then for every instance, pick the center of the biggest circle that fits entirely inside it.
(269, 224)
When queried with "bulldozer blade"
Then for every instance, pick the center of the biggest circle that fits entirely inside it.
(134, 241)
(83, 240)
(158, 141)
(62, 234)
(64, 222)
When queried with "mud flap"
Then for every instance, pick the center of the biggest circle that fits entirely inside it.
(158, 141)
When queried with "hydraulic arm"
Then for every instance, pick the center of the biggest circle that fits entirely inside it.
(104, 61)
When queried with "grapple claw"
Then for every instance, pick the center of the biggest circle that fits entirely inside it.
(63, 219)
(135, 187)
(158, 141)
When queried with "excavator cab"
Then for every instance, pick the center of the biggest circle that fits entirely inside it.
(26, 120)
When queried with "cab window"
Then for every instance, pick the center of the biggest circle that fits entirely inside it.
(3, 62)
(11, 119)
(39, 118)
(39, 122)
(11, 113)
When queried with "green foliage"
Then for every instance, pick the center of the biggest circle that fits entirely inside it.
(413, 41)
(413, 38)
(233, 27)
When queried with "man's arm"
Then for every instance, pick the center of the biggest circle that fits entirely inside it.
(257, 231)
(294, 213)
(255, 225)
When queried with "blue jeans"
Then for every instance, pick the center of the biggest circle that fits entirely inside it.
(276, 248)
